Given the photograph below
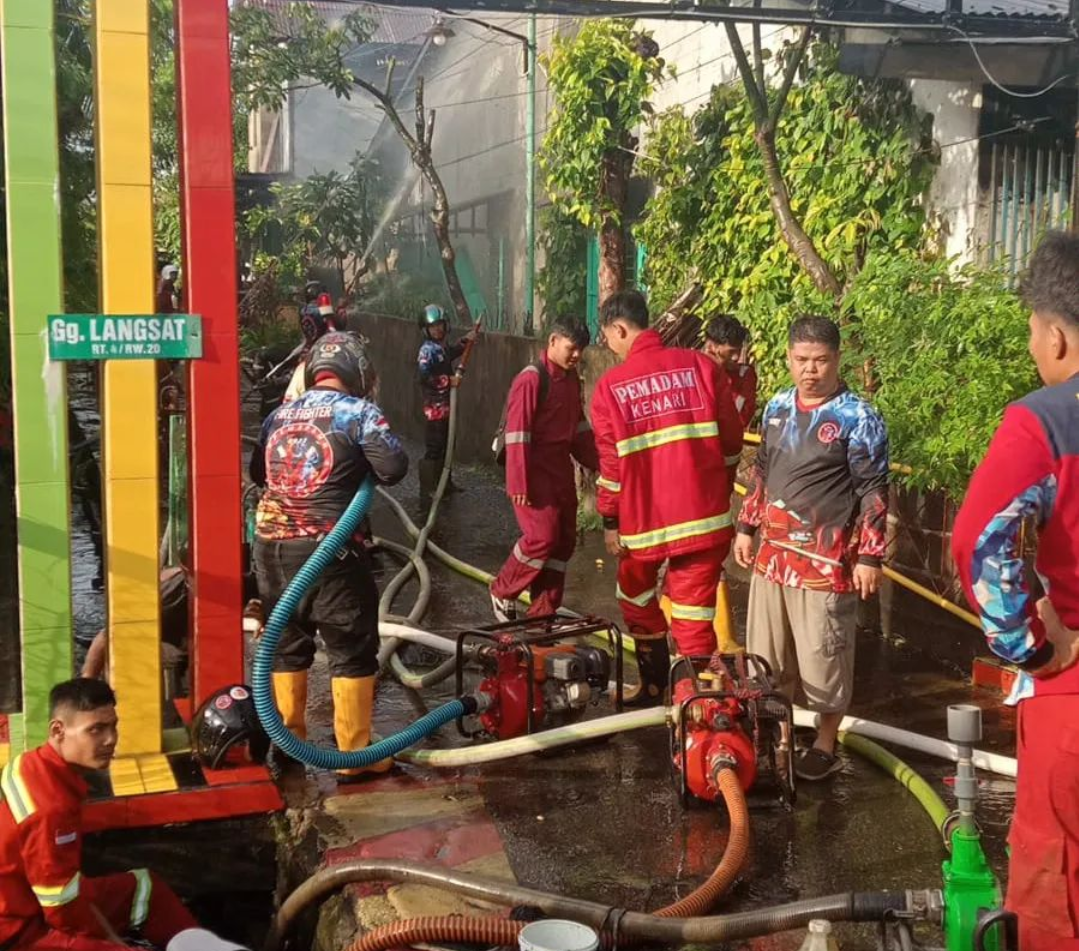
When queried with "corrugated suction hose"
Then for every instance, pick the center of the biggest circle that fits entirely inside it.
(501, 931)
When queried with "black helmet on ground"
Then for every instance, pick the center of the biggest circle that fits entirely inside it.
(344, 356)
(226, 730)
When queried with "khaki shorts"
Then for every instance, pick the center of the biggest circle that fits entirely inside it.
(808, 637)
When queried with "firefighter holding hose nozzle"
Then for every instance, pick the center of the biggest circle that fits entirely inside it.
(435, 364)
(314, 453)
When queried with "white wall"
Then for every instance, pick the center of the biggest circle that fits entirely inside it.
(702, 58)
(953, 196)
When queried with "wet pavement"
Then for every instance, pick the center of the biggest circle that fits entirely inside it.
(602, 822)
(605, 823)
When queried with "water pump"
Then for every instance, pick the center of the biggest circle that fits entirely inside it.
(538, 673)
(727, 715)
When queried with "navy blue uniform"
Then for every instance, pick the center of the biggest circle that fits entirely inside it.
(313, 455)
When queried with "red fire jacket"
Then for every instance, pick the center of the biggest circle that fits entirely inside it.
(1027, 475)
(669, 438)
(744, 384)
(41, 846)
(541, 437)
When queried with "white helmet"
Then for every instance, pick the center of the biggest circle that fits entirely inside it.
(169, 271)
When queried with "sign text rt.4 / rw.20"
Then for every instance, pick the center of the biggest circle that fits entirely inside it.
(125, 337)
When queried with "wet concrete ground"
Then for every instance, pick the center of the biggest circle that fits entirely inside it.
(605, 822)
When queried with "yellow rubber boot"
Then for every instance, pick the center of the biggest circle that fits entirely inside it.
(353, 706)
(290, 694)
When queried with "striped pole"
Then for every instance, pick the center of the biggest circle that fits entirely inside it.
(39, 394)
(129, 424)
(208, 203)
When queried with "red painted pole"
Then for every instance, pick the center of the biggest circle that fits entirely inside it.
(213, 395)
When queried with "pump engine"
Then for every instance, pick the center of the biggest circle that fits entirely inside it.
(727, 715)
(537, 673)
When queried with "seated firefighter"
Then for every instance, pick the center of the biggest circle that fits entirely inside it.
(46, 903)
(313, 455)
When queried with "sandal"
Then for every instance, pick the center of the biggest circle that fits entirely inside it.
(814, 765)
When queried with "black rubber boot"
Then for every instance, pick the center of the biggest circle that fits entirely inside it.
(429, 472)
(654, 664)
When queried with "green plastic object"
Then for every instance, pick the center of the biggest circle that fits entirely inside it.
(970, 887)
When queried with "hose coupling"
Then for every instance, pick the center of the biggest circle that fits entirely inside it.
(723, 760)
(476, 702)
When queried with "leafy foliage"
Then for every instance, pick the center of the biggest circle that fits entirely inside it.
(945, 346)
(562, 281)
(950, 351)
(278, 50)
(857, 158)
(326, 219)
(602, 79)
(78, 214)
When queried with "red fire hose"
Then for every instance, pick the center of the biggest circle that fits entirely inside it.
(502, 931)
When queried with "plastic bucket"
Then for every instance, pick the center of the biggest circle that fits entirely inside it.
(557, 935)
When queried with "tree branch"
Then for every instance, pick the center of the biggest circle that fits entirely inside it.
(789, 72)
(419, 115)
(758, 52)
(429, 132)
(758, 98)
(387, 106)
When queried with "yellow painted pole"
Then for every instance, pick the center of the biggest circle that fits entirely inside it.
(126, 264)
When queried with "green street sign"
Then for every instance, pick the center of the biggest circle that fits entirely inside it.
(125, 336)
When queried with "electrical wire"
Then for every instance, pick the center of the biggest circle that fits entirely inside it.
(992, 80)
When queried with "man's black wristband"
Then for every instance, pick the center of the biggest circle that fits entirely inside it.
(610, 522)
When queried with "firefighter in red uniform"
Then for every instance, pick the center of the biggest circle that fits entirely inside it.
(46, 904)
(545, 429)
(725, 339)
(669, 438)
(1031, 473)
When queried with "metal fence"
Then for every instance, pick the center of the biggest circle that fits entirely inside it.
(1029, 192)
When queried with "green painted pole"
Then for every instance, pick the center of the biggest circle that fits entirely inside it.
(32, 170)
(530, 176)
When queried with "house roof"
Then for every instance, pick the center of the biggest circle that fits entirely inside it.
(391, 26)
(1038, 9)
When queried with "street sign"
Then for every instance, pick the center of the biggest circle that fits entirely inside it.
(125, 336)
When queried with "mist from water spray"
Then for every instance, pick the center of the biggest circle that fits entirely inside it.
(408, 180)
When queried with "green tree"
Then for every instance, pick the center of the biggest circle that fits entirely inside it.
(278, 51)
(858, 157)
(325, 220)
(602, 79)
(563, 278)
(274, 54)
(949, 348)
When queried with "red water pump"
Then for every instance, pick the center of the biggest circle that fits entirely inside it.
(726, 715)
(537, 674)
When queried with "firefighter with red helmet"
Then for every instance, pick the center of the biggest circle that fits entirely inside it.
(317, 317)
(669, 439)
(46, 903)
(545, 430)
